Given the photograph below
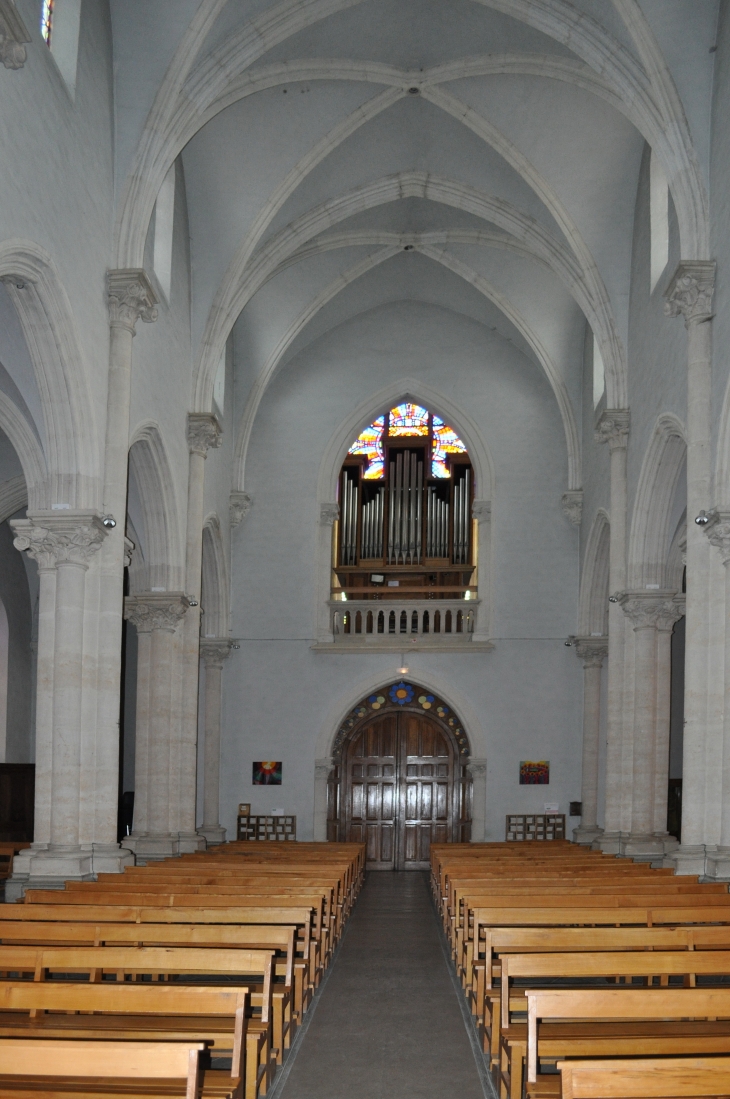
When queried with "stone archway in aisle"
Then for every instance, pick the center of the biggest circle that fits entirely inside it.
(400, 779)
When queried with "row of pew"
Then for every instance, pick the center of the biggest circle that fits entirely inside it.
(186, 977)
(589, 976)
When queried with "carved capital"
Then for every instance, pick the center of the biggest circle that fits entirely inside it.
(204, 433)
(13, 36)
(481, 510)
(477, 768)
(328, 514)
(129, 548)
(55, 538)
(718, 534)
(572, 504)
(155, 610)
(131, 298)
(655, 610)
(690, 292)
(591, 650)
(239, 505)
(214, 651)
(613, 427)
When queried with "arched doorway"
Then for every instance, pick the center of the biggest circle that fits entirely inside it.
(400, 779)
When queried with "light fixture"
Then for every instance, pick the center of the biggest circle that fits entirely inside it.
(109, 522)
(569, 641)
(613, 599)
(702, 519)
(192, 602)
(403, 670)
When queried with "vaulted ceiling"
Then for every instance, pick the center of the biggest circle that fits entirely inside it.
(479, 155)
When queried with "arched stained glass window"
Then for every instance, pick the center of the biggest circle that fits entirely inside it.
(47, 20)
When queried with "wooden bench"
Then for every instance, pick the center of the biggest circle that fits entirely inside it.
(646, 1078)
(140, 1013)
(55, 1069)
(598, 1023)
(253, 969)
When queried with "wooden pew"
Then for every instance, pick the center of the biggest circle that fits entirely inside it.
(293, 971)
(55, 1069)
(646, 1078)
(141, 1013)
(253, 969)
(596, 1023)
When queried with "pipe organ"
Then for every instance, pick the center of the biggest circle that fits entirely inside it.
(405, 496)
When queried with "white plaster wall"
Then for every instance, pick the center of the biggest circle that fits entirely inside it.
(525, 695)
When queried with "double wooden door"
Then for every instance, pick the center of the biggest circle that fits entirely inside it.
(399, 790)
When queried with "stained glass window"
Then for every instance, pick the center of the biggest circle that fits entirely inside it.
(408, 419)
(47, 20)
(445, 441)
(370, 443)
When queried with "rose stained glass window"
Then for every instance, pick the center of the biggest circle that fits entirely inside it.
(445, 441)
(408, 419)
(370, 443)
(47, 20)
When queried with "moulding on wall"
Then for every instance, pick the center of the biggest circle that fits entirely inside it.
(13, 36)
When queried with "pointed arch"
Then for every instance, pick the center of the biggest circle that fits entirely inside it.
(159, 563)
(593, 600)
(45, 314)
(650, 534)
(215, 588)
(13, 497)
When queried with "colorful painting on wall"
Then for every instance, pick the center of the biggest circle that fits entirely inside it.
(267, 774)
(534, 773)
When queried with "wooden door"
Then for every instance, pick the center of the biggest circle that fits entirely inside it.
(371, 799)
(399, 790)
(426, 790)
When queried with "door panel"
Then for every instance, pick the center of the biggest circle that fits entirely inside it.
(399, 790)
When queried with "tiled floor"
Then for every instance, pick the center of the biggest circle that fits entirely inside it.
(388, 1023)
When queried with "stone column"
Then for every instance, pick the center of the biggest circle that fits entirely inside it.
(718, 861)
(481, 510)
(204, 432)
(322, 768)
(156, 616)
(63, 544)
(214, 652)
(131, 298)
(652, 615)
(592, 652)
(689, 294)
(329, 513)
(478, 770)
(613, 428)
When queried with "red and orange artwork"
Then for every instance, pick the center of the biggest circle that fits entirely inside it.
(267, 774)
(534, 773)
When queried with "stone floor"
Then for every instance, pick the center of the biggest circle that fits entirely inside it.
(388, 1022)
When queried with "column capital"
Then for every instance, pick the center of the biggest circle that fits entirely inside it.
(155, 610)
(718, 534)
(690, 291)
(481, 510)
(131, 298)
(214, 651)
(613, 428)
(55, 538)
(328, 514)
(13, 36)
(591, 650)
(239, 505)
(204, 432)
(657, 610)
(572, 504)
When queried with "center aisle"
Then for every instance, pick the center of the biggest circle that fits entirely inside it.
(388, 1022)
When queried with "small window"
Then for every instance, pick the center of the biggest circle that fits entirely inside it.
(47, 20)
(599, 374)
(60, 26)
(659, 219)
(164, 222)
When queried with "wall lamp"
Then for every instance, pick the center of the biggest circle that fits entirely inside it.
(702, 519)
(570, 641)
(613, 599)
(109, 522)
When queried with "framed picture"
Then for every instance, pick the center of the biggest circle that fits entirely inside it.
(534, 773)
(267, 774)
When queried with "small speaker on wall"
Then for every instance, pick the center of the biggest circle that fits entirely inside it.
(576, 808)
